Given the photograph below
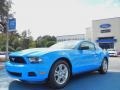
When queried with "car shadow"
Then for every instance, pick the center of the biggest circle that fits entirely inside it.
(18, 85)
(85, 81)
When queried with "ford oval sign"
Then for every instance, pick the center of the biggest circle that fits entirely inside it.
(105, 25)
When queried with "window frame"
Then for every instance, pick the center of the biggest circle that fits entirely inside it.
(94, 48)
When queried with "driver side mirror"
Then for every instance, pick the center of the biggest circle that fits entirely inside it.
(84, 48)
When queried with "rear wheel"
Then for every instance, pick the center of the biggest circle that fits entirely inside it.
(60, 74)
(104, 67)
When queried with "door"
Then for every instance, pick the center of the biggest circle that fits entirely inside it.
(86, 56)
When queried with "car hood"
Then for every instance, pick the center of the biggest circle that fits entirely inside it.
(34, 52)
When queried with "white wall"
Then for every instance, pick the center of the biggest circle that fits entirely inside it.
(115, 29)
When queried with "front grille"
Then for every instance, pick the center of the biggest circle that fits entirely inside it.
(15, 74)
(19, 60)
(112, 53)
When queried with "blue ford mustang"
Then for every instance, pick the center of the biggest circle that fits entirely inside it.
(57, 63)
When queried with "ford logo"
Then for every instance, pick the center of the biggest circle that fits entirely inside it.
(105, 26)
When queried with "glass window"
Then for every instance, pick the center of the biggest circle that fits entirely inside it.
(88, 44)
(65, 45)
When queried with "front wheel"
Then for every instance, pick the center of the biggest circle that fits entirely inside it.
(104, 67)
(59, 74)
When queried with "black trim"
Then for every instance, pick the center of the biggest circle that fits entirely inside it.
(15, 74)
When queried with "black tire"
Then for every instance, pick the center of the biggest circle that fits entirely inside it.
(52, 78)
(104, 67)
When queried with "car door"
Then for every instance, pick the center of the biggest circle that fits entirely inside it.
(87, 56)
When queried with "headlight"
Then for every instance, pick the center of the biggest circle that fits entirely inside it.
(35, 59)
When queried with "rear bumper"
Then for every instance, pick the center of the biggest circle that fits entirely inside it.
(27, 72)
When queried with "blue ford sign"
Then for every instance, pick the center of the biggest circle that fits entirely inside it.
(105, 26)
(12, 24)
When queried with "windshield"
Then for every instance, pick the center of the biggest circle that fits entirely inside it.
(65, 45)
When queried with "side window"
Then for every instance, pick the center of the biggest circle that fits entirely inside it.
(90, 45)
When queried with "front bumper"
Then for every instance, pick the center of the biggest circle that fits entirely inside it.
(27, 72)
(113, 54)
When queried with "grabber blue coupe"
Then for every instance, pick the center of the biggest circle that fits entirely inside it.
(57, 63)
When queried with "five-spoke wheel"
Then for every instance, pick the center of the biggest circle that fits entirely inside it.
(60, 74)
(104, 67)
